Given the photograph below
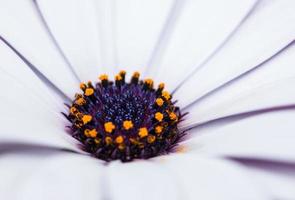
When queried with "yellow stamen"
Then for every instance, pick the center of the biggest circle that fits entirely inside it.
(161, 86)
(141, 145)
(109, 127)
(166, 95)
(77, 96)
(73, 110)
(127, 124)
(181, 149)
(159, 101)
(86, 132)
(159, 116)
(133, 141)
(173, 116)
(86, 119)
(121, 146)
(149, 82)
(103, 77)
(89, 91)
(143, 132)
(89, 83)
(108, 140)
(136, 74)
(119, 139)
(82, 86)
(80, 101)
(159, 129)
(122, 72)
(78, 124)
(93, 133)
(151, 138)
(90, 133)
(118, 77)
(79, 115)
(97, 140)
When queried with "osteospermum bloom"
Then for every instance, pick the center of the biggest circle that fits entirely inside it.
(229, 65)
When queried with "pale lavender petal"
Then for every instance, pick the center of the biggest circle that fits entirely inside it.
(78, 29)
(265, 136)
(207, 178)
(253, 43)
(266, 86)
(24, 30)
(276, 177)
(51, 176)
(195, 33)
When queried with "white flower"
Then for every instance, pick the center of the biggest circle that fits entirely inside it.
(229, 63)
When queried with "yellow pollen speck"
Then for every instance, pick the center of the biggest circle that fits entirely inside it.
(133, 141)
(73, 110)
(166, 95)
(143, 132)
(109, 127)
(161, 86)
(149, 82)
(141, 145)
(93, 133)
(97, 140)
(173, 116)
(86, 132)
(78, 95)
(159, 129)
(108, 140)
(159, 101)
(80, 101)
(119, 139)
(127, 124)
(89, 91)
(122, 72)
(78, 124)
(136, 74)
(103, 77)
(89, 83)
(151, 138)
(86, 119)
(121, 146)
(79, 115)
(159, 116)
(118, 78)
(90, 133)
(181, 149)
(82, 86)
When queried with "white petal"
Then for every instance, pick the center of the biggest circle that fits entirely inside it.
(139, 25)
(106, 11)
(77, 27)
(64, 176)
(141, 180)
(31, 113)
(265, 136)
(25, 31)
(202, 178)
(265, 87)
(254, 42)
(278, 178)
(22, 125)
(16, 74)
(199, 28)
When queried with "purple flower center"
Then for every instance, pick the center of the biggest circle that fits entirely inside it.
(126, 121)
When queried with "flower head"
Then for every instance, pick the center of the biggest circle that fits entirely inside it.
(230, 65)
(120, 120)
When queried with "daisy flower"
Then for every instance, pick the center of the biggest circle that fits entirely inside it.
(149, 99)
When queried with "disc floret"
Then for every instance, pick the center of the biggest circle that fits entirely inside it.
(126, 121)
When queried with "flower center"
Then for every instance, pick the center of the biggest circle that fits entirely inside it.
(119, 120)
